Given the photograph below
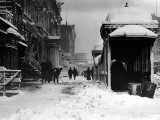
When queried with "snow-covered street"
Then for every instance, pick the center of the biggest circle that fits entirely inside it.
(77, 100)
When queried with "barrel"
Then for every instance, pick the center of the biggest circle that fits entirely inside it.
(148, 89)
(134, 89)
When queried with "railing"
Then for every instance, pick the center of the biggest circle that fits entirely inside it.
(9, 76)
(33, 62)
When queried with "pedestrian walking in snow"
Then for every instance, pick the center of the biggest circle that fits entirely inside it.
(43, 71)
(49, 72)
(74, 73)
(70, 72)
(88, 72)
(56, 73)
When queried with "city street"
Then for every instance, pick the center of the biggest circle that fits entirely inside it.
(77, 100)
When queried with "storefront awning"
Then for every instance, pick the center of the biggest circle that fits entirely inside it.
(133, 31)
(21, 43)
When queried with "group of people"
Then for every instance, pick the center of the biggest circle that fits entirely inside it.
(88, 74)
(73, 72)
(49, 74)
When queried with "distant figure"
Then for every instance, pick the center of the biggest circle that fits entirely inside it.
(70, 73)
(49, 72)
(74, 73)
(85, 73)
(43, 71)
(88, 72)
(56, 74)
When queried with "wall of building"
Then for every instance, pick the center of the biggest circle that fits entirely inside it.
(35, 20)
(68, 37)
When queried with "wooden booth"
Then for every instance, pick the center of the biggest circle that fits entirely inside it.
(130, 56)
(128, 34)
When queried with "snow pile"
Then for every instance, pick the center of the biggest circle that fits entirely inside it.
(133, 31)
(17, 93)
(91, 103)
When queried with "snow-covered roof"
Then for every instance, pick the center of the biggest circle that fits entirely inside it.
(98, 45)
(129, 15)
(133, 31)
(13, 31)
(96, 59)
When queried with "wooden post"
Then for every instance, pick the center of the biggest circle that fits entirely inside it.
(98, 72)
(4, 90)
(105, 64)
(109, 65)
(94, 70)
(152, 63)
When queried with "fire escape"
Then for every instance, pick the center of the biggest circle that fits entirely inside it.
(30, 67)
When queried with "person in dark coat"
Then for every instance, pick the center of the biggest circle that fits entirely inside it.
(56, 73)
(49, 75)
(117, 75)
(88, 72)
(70, 73)
(49, 72)
(43, 71)
(74, 73)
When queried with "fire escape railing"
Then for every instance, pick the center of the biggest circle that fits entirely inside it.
(33, 62)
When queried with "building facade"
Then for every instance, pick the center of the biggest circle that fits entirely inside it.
(35, 28)
(68, 37)
(128, 35)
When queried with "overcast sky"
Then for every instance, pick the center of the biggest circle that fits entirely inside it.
(87, 15)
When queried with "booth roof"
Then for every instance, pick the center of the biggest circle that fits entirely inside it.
(97, 59)
(129, 15)
(133, 31)
(98, 45)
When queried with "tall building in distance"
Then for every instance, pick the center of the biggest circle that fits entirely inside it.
(80, 58)
(68, 36)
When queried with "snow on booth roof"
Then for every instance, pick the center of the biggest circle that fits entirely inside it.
(133, 31)
(97, 59)
(129, 15)
(98, 45)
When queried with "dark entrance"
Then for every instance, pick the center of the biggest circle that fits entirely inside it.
(130, 61)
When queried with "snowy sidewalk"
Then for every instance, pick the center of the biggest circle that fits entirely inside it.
(79, 100)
